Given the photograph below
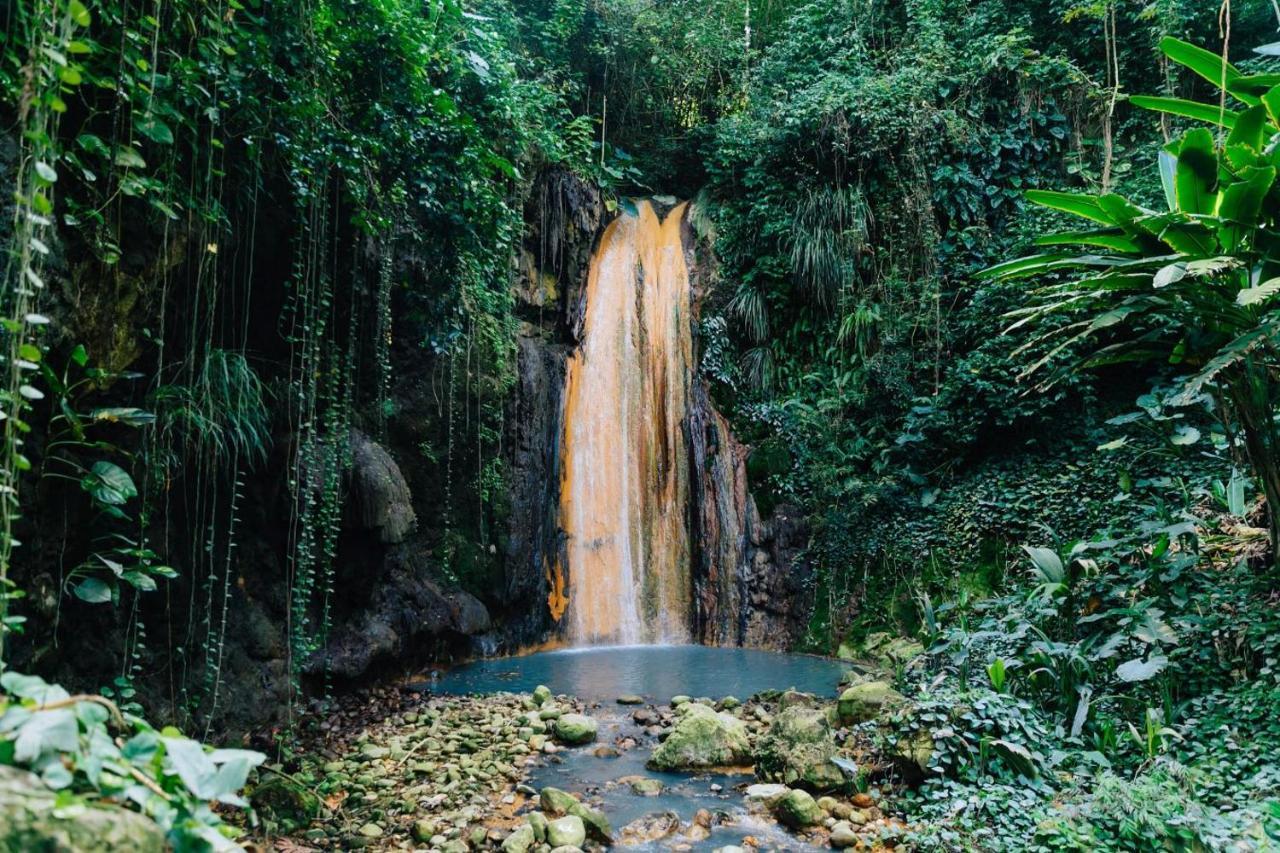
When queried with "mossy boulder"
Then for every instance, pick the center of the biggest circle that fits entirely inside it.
(884, 650)
(520, 840)
(703, 738)
(283, 805)
(567, 831)
(27, 822)
(797, 809)
(575, 728)
(797, 751)
(868, 701)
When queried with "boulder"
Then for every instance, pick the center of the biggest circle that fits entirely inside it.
(703, 738)
(379, 492)
(541, 694)
(797, 809)
(797, 750)
(284, 805)
(575, 728)
(567, 831)
(867, 701)
(520, 840)
(555, 801)
(842, 835)
(27, 822)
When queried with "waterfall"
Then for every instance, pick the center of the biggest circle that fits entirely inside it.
(624, 477)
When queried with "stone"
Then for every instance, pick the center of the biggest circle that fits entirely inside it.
(477, 836)
(567, 831)
(630, 699)
(541, 694)
(867, 701)
(27, 822)
(646, 787)
(575, 728)
(423, 829)
(284, 805)
(728, 703)
(566, 849)
(703, 738)
(520, 840)
(863, 800)
(765, 793)
(372, 830)
(913, 753)
(650, 828)
(797, 809)
(843, 835)
(598, 826)
(379, 491)
(797, 751)
(677, 701)
(555, 801)
(538, 823)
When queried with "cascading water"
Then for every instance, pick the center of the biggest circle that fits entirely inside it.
(624, 479)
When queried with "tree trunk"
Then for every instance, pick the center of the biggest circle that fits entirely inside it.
(1251, 398)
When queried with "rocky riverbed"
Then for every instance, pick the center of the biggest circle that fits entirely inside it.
(396, 769)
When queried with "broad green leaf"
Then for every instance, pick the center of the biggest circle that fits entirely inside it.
(1185, 436)
(1210, 113)
(155, 130)
(1260, 293)
(45, 732)
(1197, 172)
(1168, 168)
(1253, 85)
(1079, 205)
(109, 483)
(1241, 205)
(1141, 670)
(93, 590)
(1210, 66)
(1048, 564)
(1104, 238)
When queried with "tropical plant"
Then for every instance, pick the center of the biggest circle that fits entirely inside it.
(1193, 286)
(67, 740)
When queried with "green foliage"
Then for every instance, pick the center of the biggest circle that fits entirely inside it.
(1190, 286)
(173, 780)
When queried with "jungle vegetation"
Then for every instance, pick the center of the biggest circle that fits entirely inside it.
(995, 307)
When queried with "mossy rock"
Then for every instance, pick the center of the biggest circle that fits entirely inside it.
(575, 729)
(797, 751)
(27, 822)
(703, 738)
(797, 809)
(868, 701)
(286, 806)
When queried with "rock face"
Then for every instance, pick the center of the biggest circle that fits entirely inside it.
(703, 738)
(797, 750)
(408, 605)
(380, 496)
(27, 822)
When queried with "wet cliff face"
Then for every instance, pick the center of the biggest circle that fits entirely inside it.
(631, 519)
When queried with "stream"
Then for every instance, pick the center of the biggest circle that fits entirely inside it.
(599, 676)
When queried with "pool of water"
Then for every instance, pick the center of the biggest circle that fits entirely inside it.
(598, 676)
(654, 672)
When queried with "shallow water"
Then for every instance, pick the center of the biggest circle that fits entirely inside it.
(654, 672)
(599, 676)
